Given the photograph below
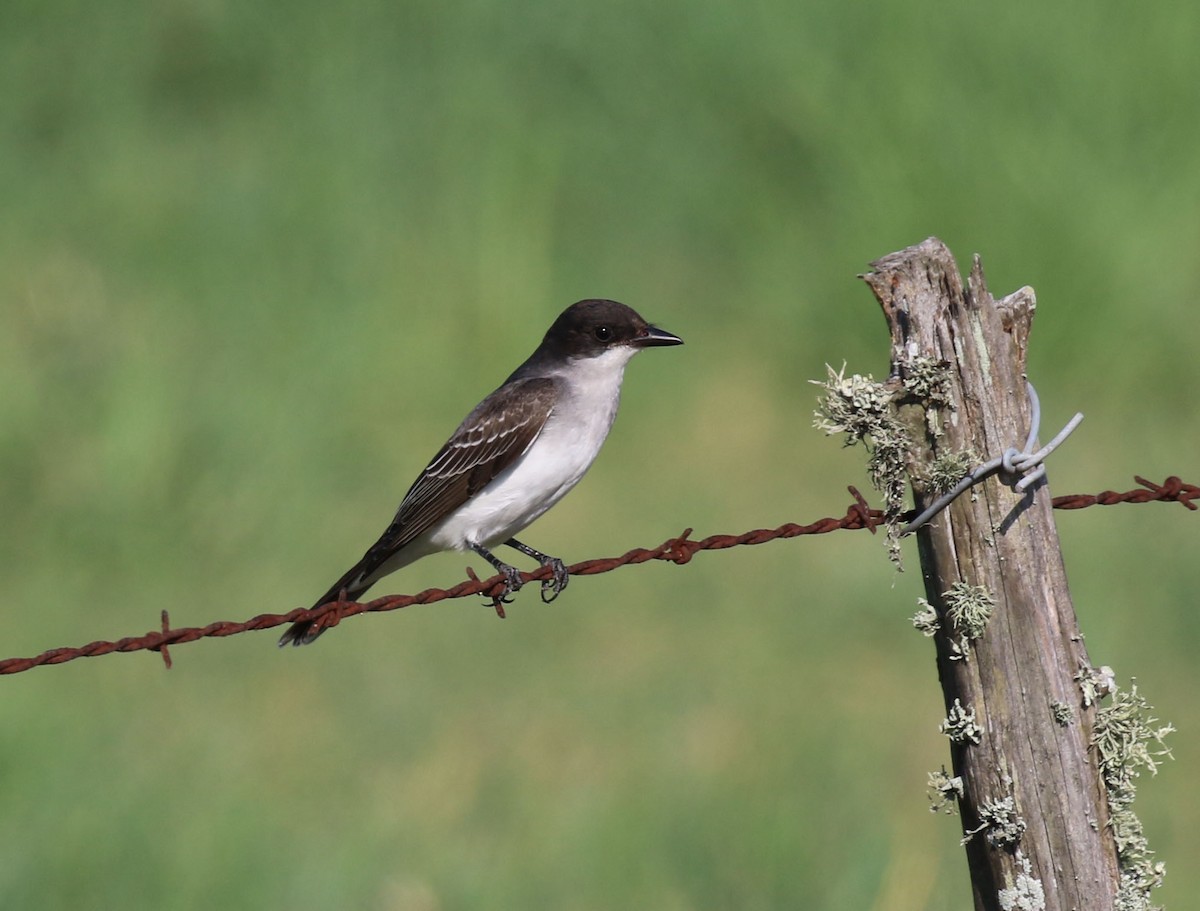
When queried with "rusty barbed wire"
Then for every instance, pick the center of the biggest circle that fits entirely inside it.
(1172, 490)
(678, 550)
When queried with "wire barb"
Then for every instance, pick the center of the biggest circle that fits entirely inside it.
(166, 628)
(1029, 465)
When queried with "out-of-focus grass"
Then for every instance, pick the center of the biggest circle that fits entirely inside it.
(256, 260)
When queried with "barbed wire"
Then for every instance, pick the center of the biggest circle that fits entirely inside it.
(678, 550)
(1172, 490)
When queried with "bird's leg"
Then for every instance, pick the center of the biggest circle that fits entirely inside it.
(512, 575)
(559, 578)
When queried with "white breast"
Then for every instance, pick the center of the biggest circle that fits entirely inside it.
(552, 465)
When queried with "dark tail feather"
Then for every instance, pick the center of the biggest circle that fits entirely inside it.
(306, 631)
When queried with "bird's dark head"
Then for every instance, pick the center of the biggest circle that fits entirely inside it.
(591, 328)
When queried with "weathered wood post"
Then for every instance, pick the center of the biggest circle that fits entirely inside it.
(1019, 729)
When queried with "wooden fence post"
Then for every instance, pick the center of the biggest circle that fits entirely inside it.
(1018, 726)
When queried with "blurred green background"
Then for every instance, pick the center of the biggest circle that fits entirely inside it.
(256, 261)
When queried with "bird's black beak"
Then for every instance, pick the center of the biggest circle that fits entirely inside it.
(653, 337)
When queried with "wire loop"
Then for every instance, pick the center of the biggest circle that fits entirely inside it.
(1029, 465)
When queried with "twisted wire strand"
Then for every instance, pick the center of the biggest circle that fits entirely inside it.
(678, 550)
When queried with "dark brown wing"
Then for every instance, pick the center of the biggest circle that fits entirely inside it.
(492, 437)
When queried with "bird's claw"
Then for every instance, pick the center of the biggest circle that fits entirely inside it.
(552, 587)
(512, 583)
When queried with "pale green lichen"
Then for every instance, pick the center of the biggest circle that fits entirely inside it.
(959, 724)
(1000, 824)
(1063, 714)
(867, 412)
(958, 650)
(969, 608)
(1134, 896)
(928, 380)
(1127, 738)
(1025, 892)
(862, 409)
(926, 619)
(944, 791)
(1095, 683)
(948, 469)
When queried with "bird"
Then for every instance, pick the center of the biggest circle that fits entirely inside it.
(513, 457)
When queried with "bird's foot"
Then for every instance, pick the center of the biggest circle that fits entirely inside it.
(512, 582)
(512, 579)
(553, 586)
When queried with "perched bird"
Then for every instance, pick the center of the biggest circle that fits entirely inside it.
(515, 455)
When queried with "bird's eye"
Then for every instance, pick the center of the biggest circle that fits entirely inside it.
(603, 333)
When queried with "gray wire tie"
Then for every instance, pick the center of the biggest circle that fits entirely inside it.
(1030, 465)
